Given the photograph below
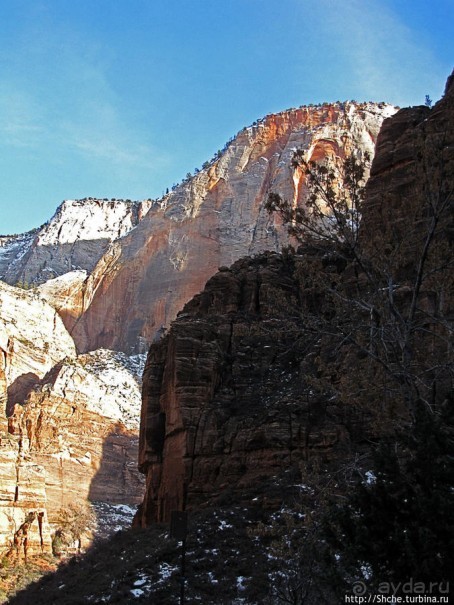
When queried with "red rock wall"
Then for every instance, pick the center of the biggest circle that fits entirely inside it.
(223, 401)
(212, 220)
(227, 397)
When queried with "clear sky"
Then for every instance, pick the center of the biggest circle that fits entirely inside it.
(121, 98)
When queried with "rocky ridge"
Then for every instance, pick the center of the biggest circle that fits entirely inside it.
(104, 276)
(74, 239)
(68, 423)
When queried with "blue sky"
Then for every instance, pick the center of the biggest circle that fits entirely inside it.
(121, 98)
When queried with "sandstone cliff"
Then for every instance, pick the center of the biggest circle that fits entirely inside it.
(68, 424)
(232, 393)
(226, 398)
(212, 219)
(23, 500)
(32, 340)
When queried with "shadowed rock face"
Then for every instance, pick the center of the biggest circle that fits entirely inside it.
(412, 181)
(226, 397)
(223, 401)
(412, 168)
(212, 220)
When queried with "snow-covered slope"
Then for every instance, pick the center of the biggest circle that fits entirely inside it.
(32, 339)
(12, 249)
(91, 219)
(103, 383)
(74, 239)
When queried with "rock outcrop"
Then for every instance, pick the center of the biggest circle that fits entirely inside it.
(24, 527)
(68, 424)
(117, 272)
(32, 340)
(66, 294)
(86, 456)
(74, 239)
(232, 393)
(225, 398)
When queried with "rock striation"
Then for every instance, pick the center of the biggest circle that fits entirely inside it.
(24, 527)
(225, 398)
(232, 392)
(211, 220)
(68, 423)
(86, 456)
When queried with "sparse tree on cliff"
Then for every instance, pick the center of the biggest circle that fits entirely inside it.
(332, 210)
(74, 521)
(387, 342)
(389, 283)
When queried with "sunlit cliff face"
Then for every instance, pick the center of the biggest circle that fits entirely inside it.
(213, 219)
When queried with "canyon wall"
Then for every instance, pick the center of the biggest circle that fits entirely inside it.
(68, 423)
(227, 395)
(234, 391)
(211, 220)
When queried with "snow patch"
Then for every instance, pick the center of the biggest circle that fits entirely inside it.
(165, 572)
(92, 219)
(107, 381)
(111, 518)
(370, 478)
